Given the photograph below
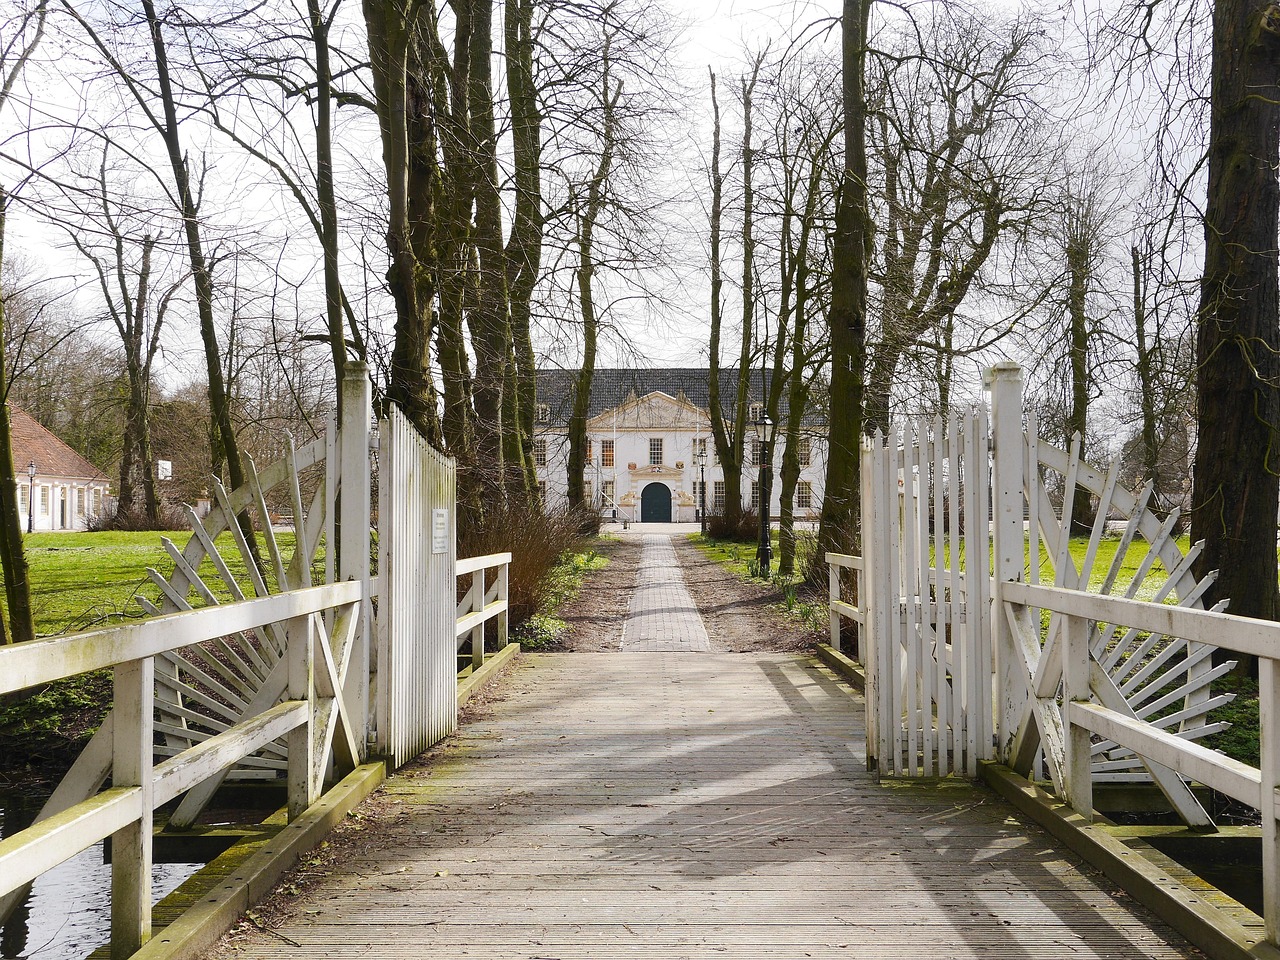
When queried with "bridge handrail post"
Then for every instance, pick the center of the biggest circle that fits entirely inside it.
(833, 593)
(356, 488)
(1005, 382)
(131, 766)
(1078, 768)
(504, 587)
(477, 632)
(1269, 746)
(303, 784)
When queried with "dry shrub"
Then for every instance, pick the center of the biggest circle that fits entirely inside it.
(169, 517)
(536, 539)
(747, 529)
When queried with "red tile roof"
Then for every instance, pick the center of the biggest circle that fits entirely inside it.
(53, 458)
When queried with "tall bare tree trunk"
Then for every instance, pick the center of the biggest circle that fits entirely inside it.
(850, 257)
(1146, 363)
(488, 319)
(13, 560)
(586, 292)
(1237, 468)
(727, 452)
(1080, 239)
(524, 246)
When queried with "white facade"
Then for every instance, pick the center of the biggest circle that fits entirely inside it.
(60, 503)
(642, 456)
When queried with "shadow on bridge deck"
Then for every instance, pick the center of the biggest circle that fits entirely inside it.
(694, 805)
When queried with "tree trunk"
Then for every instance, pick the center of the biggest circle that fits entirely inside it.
(1080, 240)
(1237, 466)
(325, 198)
(728, 452)
(13, 561)
(851, 252)
(219, 403)
(586, 293)
(524, 246)
(1146, 386)
(488, 319)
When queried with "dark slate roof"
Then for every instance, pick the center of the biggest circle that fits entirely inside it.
(612, 386)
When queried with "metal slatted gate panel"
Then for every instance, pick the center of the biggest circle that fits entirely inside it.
(417, 698)
(927, 531)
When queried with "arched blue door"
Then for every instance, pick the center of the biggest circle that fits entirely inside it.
(655, 504)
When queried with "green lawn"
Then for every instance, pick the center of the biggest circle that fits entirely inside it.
(81, 580)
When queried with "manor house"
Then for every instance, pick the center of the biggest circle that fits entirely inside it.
(645, 428)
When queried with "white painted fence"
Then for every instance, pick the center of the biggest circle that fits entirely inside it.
(841, 609)
(276, 682)
(483, 603)
(1088, 709)
(1101, 672)
(311, 716)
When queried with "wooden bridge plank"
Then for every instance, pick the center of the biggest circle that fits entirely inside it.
(695, 805)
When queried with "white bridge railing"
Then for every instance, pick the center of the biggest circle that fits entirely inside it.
(842, 609)
(482, 604)
(311, 714)
(1087, 710)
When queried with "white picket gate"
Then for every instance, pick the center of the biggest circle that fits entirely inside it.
(417, 701)
(928, 655)
(953, 509)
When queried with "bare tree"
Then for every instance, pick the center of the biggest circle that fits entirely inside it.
(25, 29)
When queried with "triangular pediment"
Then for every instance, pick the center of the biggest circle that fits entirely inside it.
(655, 409)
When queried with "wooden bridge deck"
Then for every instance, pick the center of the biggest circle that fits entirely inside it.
(691, 805)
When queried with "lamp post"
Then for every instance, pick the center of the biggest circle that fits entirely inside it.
(764, 433)
(31, 500)
(700, 458)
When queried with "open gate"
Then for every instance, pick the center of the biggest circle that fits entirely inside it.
(935, 493)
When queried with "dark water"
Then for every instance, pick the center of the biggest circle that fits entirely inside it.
(68, 913)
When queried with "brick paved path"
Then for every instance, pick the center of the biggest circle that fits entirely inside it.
(662, 616)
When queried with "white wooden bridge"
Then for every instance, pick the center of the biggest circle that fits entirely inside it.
(668, 802)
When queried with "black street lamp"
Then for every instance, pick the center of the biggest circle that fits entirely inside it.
(700, 458)
(764, 433)
(31, 500)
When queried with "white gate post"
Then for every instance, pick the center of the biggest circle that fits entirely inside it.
(868, 601)
(353, 551)
(1005, 382)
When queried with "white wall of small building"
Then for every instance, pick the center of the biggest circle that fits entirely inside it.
(60, 503)
(631, 471)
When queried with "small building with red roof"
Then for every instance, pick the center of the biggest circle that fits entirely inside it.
(57, 488)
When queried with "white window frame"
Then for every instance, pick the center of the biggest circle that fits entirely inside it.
(656, 447)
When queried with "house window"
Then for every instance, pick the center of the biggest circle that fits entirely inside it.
(802, 451)
(540, 451)
(607, 489)
(588, 493)
(44, 501)
(655, 451)
(756, 411)
(699, 448)
(591, 445)
(542, 490)
(544, 413)
(717, 498)
(755, 495)
(699, 493)
(755, 451)
(22, 498)
(804, 495)
(606, 453)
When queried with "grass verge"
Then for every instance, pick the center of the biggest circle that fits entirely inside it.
(543, 630)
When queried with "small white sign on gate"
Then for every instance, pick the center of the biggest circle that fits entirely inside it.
(440, 530)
